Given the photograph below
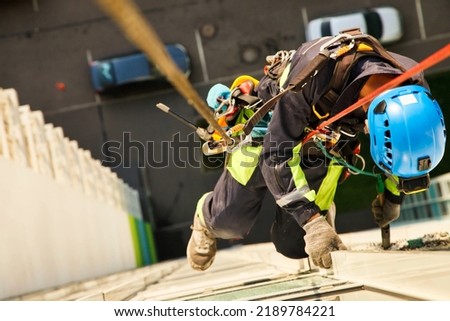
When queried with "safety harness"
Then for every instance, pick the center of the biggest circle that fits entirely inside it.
(345, 49)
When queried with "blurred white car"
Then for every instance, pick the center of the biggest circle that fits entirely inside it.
(384, 23)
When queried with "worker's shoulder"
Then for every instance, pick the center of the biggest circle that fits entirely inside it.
(311, 48)
(307, 52)
(405, 60)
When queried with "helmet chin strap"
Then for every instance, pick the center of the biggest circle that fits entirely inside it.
(414, 185)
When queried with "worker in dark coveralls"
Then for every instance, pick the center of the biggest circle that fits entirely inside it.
(300, 177)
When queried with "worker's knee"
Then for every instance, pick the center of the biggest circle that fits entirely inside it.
(225, 227)
(287, 237)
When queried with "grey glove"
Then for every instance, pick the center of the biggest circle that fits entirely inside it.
(321, 240)
(385, 212)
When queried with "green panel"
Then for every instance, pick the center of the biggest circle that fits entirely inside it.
(143, 242)
(151, 243)
(135, 239)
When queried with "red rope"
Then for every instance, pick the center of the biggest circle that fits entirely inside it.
(431, 60)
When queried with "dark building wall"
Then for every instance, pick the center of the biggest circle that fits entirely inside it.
(48, 42)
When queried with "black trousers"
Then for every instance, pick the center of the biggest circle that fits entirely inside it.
(231, 210)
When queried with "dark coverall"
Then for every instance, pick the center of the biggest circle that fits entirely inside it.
(300, 178)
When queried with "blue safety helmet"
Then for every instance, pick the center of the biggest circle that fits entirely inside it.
(407, 131)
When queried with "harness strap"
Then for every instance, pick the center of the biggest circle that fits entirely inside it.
(299, 81)
(428, 62)
(346, 57)
(364, 47)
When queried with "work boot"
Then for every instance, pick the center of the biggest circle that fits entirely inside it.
(202, 246)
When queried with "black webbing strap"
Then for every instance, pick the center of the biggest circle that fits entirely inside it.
(248, 100)
(343, 68)
(297, 84)
(337, 82)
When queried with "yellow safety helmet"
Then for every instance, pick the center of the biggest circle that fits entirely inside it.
(239, 80)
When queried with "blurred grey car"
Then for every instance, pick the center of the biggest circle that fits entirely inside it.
(384, 23)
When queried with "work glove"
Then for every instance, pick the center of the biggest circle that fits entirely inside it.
(384, 212)
(320, 240)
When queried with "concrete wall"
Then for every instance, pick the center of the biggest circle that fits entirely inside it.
(52, 234)
(63, 217)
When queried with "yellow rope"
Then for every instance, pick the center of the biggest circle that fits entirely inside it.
(139, 32)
